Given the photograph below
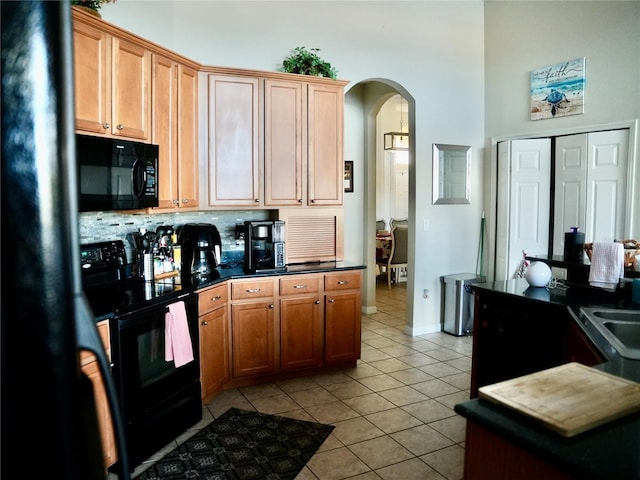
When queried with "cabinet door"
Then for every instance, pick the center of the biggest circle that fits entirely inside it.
(234, 141)
(130, 90)
(342, 326)
(91, 49)
(187, 137)
(302, 338)
(107, 436)
(214, 351)
(254, 339)
(325, 133)
(284, 155)
(165, 106)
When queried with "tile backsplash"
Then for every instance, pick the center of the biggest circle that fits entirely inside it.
(105, 226)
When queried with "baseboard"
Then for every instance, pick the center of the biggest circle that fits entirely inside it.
(369, 310)
(415, 332)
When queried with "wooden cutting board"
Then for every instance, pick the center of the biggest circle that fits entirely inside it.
(568, 399)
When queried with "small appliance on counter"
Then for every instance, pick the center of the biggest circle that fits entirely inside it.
(573, 246)
(264, 246)
(201, 249)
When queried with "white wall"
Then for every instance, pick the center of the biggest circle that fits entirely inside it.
(433, 51)
(526, 35)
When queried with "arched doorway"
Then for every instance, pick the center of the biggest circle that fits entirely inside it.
(368, 98)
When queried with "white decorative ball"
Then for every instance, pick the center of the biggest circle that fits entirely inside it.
(538, 274)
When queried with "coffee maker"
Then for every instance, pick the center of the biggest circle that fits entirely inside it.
(264, 246)
(201, 248)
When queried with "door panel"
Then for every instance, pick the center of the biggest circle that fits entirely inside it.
(570, 188)
(526, 164)
(606, 185)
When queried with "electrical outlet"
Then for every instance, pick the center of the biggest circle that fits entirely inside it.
(559, 273)
(425, 295)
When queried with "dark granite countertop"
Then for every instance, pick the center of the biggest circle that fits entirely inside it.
(611, 451)
(134, 294)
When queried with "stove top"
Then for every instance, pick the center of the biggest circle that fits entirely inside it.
(108, 289)
(121, 297)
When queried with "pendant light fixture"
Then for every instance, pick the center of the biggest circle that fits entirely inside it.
(397, 140)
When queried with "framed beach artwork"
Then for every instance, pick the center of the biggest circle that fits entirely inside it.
(558, 90)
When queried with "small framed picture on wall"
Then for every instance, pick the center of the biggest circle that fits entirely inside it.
(348, 176)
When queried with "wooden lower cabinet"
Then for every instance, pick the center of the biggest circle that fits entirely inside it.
(92, 371)
(489, 456)
(301, 322)
(284, 325)
(255, 328)
(214, 339)
(342, 316)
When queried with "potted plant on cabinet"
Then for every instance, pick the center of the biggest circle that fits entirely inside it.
(307, 62)
(91, 6)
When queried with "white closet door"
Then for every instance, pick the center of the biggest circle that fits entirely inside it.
(570, 197)
(524, 188)
(606, 185)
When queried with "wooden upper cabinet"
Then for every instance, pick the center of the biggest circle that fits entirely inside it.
(92, 51)
(325, 129)
(234, 141)
(303, 155)
(285, 156)
(112, 84)
(174, 130)
(130, 90)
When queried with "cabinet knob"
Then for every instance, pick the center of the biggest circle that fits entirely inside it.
(106, 126)
(204, 324)
(299, 200)
(185, 200)
(313, 200)
(120, 126)
(271, 306)
(317, 302)
(216, 298)
(175, 202)
(257, 200)
(252, 290)
(343, 282)
(300, 286)
(331, 300)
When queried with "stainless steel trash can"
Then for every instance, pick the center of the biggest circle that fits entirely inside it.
(457, 302)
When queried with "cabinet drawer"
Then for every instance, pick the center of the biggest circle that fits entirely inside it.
(247, 289)
(299, 285)
(342, 281)
(212, 298)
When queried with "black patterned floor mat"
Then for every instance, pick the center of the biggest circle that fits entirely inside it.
(243, 445)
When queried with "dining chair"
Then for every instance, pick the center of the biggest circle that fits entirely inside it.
(396, 262)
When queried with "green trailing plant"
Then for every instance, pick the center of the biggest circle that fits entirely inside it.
(307, 62)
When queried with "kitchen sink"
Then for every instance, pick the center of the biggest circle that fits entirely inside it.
(620, 327)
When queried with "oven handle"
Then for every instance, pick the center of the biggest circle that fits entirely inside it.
(89, 339)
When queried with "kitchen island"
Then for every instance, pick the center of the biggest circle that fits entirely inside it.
(519, 330)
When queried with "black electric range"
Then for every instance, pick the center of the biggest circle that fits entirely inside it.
(109, 288)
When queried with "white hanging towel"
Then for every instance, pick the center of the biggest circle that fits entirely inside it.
(177, 340)
(607, 265)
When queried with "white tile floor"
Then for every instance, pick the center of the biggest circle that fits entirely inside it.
(393, 413)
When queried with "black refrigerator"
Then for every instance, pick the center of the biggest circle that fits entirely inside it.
(49, 422)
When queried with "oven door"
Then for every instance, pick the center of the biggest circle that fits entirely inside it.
(146, 380)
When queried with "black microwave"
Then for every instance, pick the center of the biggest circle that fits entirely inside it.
(116, 174)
